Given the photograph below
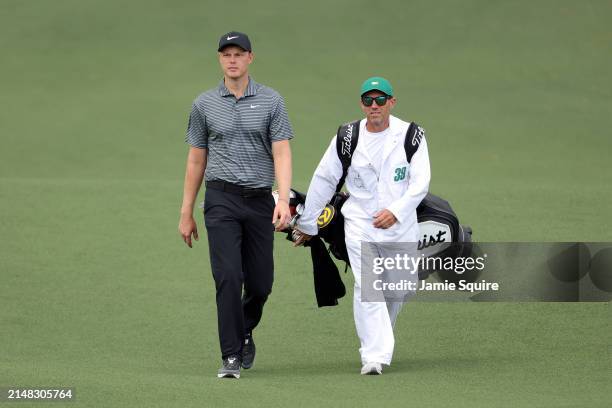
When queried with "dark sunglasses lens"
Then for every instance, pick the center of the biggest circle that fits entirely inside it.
(381, 100)
(367, 100)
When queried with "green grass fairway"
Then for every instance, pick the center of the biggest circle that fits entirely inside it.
(98, 292)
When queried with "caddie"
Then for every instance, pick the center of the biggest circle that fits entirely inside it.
(385, 188)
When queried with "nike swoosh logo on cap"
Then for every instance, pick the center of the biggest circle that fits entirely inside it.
(231, 38)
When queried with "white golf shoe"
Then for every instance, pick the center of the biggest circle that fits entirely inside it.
(371, 369)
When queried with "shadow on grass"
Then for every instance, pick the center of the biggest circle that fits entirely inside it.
(443, 362)
(344, 367)
(305, 368)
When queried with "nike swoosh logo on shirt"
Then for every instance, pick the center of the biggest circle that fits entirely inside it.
(254, 106)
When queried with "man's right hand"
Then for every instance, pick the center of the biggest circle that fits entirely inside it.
(187, 227)
(299, 238)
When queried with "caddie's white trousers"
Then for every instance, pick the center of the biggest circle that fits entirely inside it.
(374, 321)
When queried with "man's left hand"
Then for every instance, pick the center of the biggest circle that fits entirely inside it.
(282, 215)
(384, 219)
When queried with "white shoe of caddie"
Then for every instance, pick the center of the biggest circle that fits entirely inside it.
(371, 369)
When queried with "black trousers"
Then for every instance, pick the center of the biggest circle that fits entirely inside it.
(240, 241)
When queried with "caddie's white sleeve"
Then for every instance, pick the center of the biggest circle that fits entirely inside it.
(321, 190)
(418, 184)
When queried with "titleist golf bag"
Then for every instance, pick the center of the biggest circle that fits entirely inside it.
(441, 235)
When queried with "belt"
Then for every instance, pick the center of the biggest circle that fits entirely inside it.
(236, 189)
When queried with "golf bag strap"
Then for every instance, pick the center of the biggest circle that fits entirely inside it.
(413, 139)
(348, 136)
(346, 143)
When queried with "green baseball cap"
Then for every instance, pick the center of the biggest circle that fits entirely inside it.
(377, 84)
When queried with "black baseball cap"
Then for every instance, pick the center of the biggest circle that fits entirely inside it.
(235, 38)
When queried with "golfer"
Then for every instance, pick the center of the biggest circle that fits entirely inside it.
(239, 136)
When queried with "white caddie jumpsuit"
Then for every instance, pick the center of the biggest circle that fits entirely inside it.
(372, 191)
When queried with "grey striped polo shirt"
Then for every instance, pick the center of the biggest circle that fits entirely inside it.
(238, 133)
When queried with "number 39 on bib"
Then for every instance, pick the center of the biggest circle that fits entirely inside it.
(400, 174)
